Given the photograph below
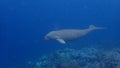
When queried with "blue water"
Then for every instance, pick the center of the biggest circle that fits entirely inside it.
(24, 23)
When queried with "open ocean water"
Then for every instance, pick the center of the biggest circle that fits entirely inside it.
(24, 23)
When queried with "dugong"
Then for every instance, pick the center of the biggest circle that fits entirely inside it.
(66, 35)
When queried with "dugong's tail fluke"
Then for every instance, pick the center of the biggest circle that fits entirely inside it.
(92, 27)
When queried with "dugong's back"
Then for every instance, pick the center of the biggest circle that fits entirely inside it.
(68, 34)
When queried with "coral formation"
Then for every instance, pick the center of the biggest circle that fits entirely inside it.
(84, 58)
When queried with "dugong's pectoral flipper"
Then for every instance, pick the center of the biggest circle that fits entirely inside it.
(61, 41)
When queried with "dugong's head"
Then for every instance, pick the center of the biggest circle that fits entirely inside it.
(49, 36)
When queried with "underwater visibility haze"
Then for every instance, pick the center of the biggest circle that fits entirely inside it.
(25, 23)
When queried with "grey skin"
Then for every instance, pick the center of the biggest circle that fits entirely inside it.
(66, 35)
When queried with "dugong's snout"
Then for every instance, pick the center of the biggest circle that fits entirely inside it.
(46, 38)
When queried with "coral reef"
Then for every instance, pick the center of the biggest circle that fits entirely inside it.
(83, 58)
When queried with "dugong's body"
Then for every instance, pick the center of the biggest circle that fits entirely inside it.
(69, 34)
